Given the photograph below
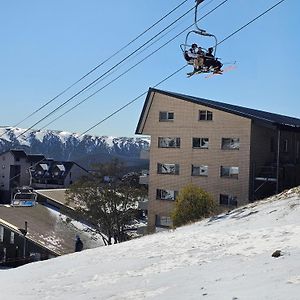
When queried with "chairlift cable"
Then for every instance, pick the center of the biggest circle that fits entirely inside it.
(98, 78)
(141, 51)
(171, 75)
(132, 101)
(253, 20)
(125, 72)
(99, 65)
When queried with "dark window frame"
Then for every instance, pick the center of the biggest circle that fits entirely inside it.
(161, 165)
(198, 167)
(166, 116)
(160, 197)
(205, 115)
(228, 200)
(229, 146)
(230, 174)
(272, 145)
(163, 221)
(195, 142)
(285, 146)
(297, 150)
(175, 139)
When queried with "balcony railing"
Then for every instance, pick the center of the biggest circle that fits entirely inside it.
(144, 177)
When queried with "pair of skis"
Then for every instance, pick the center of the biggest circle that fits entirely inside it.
(229, 68)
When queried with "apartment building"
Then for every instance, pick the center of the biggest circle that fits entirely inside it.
(237, 154)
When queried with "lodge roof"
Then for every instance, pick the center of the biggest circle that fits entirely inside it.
(46, 226)
(281, 121)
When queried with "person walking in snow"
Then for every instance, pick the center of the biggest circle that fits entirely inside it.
(78, 244)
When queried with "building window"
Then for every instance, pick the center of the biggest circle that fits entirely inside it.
(166, 116)
(12, 237)
(1, 234)
(205, 115)
(230, 172)
(230, 143)
(3, 166)
(201, 143)
(228, 200)
(17, 158)
(272, 145)
(3, 255)
(172, 169)
(163, 221)
(168, 142)
(285, 147)
(298, 149)
(166, 194)
(199, 170)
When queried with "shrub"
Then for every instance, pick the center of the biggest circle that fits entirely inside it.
(191, 205)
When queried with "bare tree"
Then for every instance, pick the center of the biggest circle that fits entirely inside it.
(108, 200)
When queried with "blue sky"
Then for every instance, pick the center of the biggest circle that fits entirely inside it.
(48, 45)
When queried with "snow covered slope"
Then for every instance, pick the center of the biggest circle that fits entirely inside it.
(227, 257)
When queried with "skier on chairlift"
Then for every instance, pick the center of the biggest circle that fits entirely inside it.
(212, 62)
(195, 56)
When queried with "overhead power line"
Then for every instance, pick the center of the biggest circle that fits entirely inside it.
(100, 64)
(174, 73)
(253, 20)
(132, 67)
(98, 78)
(130, 102)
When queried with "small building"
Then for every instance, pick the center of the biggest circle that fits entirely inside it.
(14, 172)
(237, 154)
(39, 232)
(50, 174)
(19, 169)
(16, 248)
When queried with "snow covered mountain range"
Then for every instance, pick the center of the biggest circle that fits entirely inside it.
(229, 257)
(62, 145)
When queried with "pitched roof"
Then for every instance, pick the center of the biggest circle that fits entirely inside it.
(286, 122)
(17, 153)
(47, 227)
(34, 158)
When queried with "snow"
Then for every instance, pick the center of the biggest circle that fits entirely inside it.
(226, 257)
(9, 134)
(39, 135)
(110, 141)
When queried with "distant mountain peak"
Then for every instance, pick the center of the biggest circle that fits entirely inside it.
(62, 145)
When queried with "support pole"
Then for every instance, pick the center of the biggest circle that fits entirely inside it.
(278, 160)
(24, 246)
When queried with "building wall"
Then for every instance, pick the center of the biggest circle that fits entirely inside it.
(264, 148)
(7, 164)
(186, 126)
(6, 160)
(74, 174)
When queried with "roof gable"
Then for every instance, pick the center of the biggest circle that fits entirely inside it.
(286, 122)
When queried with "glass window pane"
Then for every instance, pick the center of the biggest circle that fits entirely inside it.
(209, 116)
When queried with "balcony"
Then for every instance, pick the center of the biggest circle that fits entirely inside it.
(144, 178)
